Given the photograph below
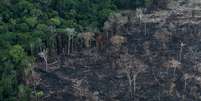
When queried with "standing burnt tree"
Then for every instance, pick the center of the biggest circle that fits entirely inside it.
(132, 67)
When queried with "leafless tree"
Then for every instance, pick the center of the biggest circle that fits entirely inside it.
(186, 77)
(172, 63)
(43, 55)
(163, 37)
(114, 23)
(132, 67)
(139, 14)
(81, 90)
(181, 50)
(71, 33)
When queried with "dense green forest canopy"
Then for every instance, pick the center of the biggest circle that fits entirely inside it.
(26, 25)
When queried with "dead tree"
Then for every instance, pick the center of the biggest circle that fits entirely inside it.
(132, 67)
(118, 40)
(87, 37)
(44, 56)
(172, 63)
(181, 51)
(71, 33)
(163, 37)
(101, 41)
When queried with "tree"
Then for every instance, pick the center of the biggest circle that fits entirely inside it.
(13, 63)
(16, 53)
(23, 27)
(71, 33)
(132, 67)
(118, 40)
(24, 92)
(23, 35)
(43, 55)
(88, 37)
(172, 63)
(129, 4)
(55, 21)
(148, 2)
(163, 37)
(31, 21)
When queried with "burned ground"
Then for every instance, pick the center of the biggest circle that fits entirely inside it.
(167, 43)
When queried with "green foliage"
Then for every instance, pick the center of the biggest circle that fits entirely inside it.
(148, 2)
(39, 94)
(55, 21)
(8, 90)
(24, 93)
(16, 53)
(31, 21)
(22, 27)
(13, 61)
(42, 27)
(27, 26)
